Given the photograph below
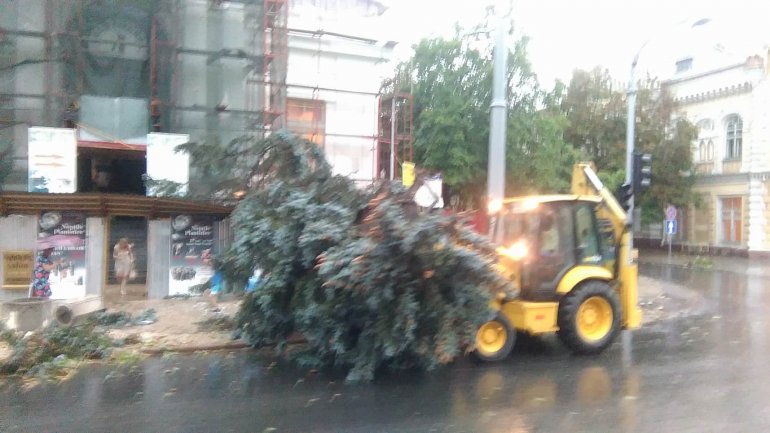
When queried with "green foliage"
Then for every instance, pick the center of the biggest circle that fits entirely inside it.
(6, 162)
(669, 139)
(164, 188)
(55, 347)
(408, 291)
(119, 319)
(596, 110)
(452, 87)
(217, 323)
(368, 283)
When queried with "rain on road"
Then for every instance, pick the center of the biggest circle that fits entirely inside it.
(703, 372)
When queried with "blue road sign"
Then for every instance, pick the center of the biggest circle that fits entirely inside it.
(670, 227)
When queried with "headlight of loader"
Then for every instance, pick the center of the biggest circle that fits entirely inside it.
(517, 251)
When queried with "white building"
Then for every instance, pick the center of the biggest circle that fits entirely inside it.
(337, 62)
(86, 89)
(730, 104)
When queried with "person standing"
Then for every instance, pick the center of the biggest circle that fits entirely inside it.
(123, 254)
(41, 287)
(216, 282)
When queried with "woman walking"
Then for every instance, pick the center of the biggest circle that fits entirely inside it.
(123, 254)
(41, 287)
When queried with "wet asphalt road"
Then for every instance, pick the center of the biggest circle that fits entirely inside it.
(707, 372)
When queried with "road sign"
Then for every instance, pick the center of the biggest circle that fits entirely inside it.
(670, 227)
(671, 212)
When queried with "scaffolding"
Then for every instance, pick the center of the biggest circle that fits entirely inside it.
(230, 80)
(395, 131)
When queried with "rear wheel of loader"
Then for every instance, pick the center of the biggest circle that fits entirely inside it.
(589, 317)
(495, 339)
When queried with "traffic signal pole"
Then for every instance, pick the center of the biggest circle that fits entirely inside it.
(630, 126)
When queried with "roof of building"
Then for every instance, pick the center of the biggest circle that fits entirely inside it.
(702, 74)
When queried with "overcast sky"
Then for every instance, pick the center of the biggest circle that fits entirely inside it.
(569, 34)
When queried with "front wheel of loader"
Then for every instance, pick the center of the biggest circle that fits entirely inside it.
(589, 317)
(494, 339)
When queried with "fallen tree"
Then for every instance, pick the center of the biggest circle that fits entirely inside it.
(363, 277)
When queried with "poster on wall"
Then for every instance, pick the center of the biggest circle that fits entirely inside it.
(66, 230)
(192, 242)
(161, 155)
(52, 160)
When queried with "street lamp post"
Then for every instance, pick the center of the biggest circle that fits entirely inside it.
(498, 115)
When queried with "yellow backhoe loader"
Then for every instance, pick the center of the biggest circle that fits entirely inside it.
(568, 258)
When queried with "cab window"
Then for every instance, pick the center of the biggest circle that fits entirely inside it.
(587, 237)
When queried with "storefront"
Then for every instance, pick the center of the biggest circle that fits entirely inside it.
(171, 241)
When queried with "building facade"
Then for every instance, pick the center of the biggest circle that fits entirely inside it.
(730, 107)
(95, 94)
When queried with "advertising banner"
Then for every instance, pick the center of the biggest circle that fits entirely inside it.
(164, 163)
(52, 160)
(66, 233)
(192, 242)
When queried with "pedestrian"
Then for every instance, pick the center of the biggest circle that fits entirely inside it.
(41, 287)
(251, 284)
(123, 254)
(215, 283)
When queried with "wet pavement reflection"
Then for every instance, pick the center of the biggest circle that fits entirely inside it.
(702, 372)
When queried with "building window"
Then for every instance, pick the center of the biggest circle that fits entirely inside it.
(705, 125)
(307, 118)
(683, 65)
(706, 151)
(734, 134)
(731, 220)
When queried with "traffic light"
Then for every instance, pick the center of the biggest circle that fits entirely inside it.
(642, 171)
(625, 196)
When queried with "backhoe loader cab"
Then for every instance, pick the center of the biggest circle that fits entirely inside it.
(564, 255)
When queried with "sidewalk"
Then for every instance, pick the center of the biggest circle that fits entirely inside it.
(183, 325)
(743, 265)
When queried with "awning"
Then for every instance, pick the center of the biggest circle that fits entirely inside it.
(111, 145)
(94, 204)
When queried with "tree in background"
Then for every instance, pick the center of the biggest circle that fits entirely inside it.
(595, 108)
(451, 82)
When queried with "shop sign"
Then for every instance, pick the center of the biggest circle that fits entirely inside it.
(17, 268)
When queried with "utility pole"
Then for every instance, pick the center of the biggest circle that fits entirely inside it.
(498, 114)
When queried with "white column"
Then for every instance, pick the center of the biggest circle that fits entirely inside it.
(95, 255)
(757, 134)
(757, 220)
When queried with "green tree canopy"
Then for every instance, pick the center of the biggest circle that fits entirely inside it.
(451, 81)
(596, 111)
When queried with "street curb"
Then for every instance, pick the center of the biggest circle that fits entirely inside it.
(238, 345)
(188, 349)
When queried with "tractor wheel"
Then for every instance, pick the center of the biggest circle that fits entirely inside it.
(495, 339)
(589, 317)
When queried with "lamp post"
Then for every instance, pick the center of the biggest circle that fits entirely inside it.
(630, 125)
(498, 115)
